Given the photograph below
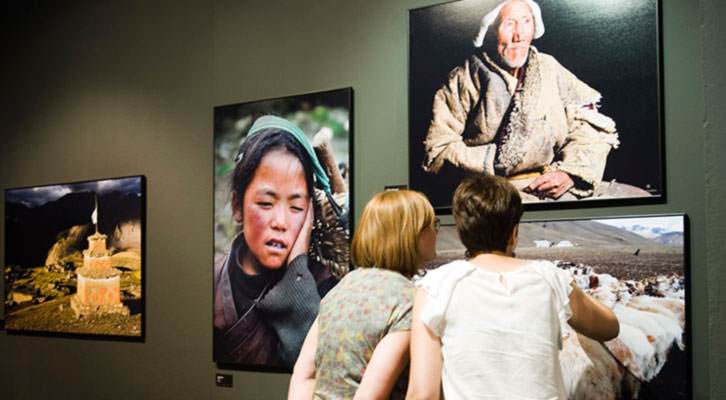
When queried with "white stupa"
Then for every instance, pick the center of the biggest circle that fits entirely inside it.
(98, 288)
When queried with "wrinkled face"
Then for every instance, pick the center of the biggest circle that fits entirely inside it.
(273, 211)
(514, 34)
(427, 242)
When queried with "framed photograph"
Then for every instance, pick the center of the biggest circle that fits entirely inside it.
(282, 179)
(567, 105)
(638, 267)
(74, 258)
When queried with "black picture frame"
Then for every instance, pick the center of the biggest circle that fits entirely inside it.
(311, 112)
(614, 47)
(75, 259)
(645, 254)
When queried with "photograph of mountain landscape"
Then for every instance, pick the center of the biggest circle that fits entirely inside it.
(637, 267)
(74, 258)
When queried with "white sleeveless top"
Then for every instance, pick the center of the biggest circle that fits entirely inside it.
(499, 342)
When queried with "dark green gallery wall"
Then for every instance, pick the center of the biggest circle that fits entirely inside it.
(96, 89)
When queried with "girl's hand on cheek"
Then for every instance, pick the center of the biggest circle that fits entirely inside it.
(302, 243)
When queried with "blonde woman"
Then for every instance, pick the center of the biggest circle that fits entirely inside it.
(359, 345)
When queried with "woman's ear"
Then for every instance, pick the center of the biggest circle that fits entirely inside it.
(237, 206)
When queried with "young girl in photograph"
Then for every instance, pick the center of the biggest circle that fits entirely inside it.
(491, 326)
(267, 289)
(359, 345)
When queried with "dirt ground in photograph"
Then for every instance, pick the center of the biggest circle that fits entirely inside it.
(622, 262)
(57, 316)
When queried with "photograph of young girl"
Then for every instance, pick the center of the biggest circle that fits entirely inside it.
(281, 232)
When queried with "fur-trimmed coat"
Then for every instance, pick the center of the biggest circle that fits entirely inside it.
(553, 122)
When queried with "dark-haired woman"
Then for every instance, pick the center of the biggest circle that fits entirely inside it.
(491, 326)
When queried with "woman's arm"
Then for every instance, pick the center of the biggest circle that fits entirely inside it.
(426, 362)
(302, 381)
(590, 317)
(389, 359)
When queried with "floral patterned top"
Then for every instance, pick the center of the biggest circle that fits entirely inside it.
(354, 316)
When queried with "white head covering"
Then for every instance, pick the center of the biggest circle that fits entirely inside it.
(493, 14)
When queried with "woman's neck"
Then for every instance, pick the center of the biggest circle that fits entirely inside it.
(497, 253)
(497, 262)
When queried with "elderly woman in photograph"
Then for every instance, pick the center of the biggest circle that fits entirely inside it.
(513, 111)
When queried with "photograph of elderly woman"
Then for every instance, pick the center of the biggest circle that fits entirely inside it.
(560, 97)
(281, 222)
(637, 267)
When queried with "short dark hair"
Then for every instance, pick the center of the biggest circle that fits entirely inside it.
(486, 209)
(255, 147)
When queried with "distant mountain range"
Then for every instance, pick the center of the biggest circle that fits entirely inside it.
(660, 235)
(671, 239)
(31, 231)
(578, 232)
(590, 233)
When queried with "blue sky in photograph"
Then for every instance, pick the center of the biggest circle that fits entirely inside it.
(672, 223)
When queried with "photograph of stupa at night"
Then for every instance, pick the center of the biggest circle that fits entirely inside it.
(74, 258)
